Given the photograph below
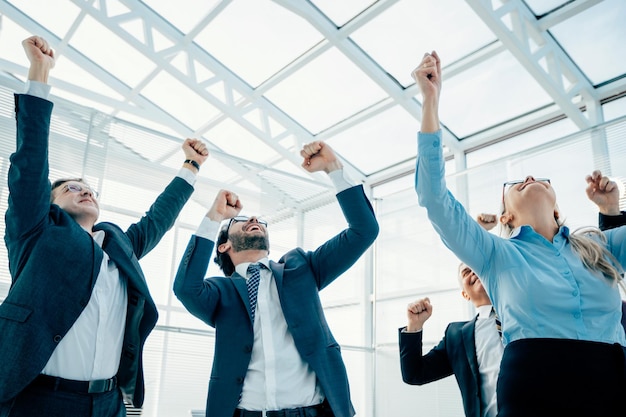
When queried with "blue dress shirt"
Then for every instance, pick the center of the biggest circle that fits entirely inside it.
(540, 289)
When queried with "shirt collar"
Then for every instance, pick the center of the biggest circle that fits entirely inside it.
(522, 230)
(242, 268)
(484, 311)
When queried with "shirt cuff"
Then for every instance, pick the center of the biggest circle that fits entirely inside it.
(404, 330)
(188, 175)
(340, 180)
(208, 229)
(37, 89)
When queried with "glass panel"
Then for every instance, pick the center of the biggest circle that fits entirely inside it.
(341, 11)
(398, 37)
(389, 135)
(489, 93)
(603, 26)
(327, 90)
(256, 38)
(541, 7)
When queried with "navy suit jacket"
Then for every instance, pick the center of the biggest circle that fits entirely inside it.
(455, 354)
(54, 263)
(222, 303)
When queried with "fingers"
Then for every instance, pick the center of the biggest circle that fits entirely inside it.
(39, 43)
(231, 199)
(599, 182)
(198, 146)
(311, 149)
(420, 306)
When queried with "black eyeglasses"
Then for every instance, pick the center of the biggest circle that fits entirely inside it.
(77, 188)
(238, 219)
(507, 185)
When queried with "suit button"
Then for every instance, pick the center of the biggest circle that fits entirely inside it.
(240, 380)
(57, 338)
(248, 349)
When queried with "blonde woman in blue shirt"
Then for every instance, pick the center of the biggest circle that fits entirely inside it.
(556, 292)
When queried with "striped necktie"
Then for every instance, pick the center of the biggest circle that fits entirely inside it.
(498, 322)
(254, 276)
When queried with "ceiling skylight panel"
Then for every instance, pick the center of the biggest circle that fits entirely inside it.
(489, 93)
(256, 38)
(56, 16)
(108, 50)
(326, 91)
(179, 100)
(185, 16)
(341, 11)
(398, 38)
(541, 7)
(381, 141)
(599, 52)
(234, 140)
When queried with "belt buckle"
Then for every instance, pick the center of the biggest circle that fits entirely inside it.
(101, 385)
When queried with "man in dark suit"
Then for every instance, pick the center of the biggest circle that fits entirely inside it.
(604, 192)
(75, 320)
(470, 350)
(276, 355)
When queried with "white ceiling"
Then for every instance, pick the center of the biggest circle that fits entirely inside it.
(258, 78)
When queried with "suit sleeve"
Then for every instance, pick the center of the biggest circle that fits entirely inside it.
(29, 187)
(340, 252)
(611, 222)
(199, 296)
(418, 369)
(148, 231)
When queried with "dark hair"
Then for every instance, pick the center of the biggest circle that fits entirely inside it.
(62, 181)
(223, 259)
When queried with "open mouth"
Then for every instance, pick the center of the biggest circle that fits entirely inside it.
(252, 227)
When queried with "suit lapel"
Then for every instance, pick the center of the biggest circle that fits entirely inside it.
(277, 270)
(470, 346)
(240, 285)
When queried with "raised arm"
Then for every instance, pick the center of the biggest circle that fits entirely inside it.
(29, 187)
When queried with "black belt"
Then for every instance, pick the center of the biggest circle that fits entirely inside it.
(318, 410)
(87, 387)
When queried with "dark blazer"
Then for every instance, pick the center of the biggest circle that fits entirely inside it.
(455, 354)
(222, 303)
(610, 222)
(54, 263)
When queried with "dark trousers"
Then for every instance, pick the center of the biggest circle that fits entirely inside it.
(561, 377)
(37, 401)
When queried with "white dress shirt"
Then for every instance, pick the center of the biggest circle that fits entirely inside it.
(489, 350)
(92, 347)
(277, 377)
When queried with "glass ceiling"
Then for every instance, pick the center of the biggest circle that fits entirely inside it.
(258, 78)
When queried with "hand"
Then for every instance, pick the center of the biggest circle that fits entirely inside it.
(319, 156)
(487, 221)
(428, 76)
(41, 57)
(603, 192)
(195, 150)
(418, 312)
(225, 206)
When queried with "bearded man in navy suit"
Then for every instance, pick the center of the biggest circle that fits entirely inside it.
(274, 352)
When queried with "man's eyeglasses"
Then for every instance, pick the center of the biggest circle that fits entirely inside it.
(77, 188)
(238, 219)
(507, 185)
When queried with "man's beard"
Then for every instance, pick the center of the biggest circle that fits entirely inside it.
(243, 242)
